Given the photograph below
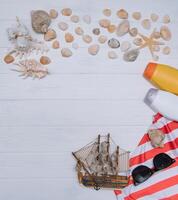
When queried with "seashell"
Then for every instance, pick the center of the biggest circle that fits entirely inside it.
(146, 24)
(166, 50)
(56, 44)
(123, 28)
(87, 19)
(32, 68)
(8, 59)
(87, 38)
(166, 19)
(154, 17)
(69, 37)
(75, 18)
(53, 13)
(104, 23)
(96, 31)
(125, 46)
(66, 12)
(131, 55)
(111, 28)
(112, 55)
(136, 15)
(156, 48)
(157, 137)
(79, 31)
(50, 35)
(107, 12)
(40, 21)
(133, 32)
(138, 41)
(63, 26)
(44, 60)
(93, 49)
(66, 52)
(122, 14)
(102, 39)
(165, 33)
(75, 46)
(113, 43)
(156, 35)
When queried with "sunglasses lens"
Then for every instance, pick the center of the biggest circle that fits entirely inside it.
(162, 160)
(141, 174)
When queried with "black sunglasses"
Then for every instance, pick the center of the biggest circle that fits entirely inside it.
(142, 172)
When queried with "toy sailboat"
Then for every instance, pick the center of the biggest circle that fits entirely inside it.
(102, 164)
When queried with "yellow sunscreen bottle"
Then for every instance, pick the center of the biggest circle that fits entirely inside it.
(162, 76)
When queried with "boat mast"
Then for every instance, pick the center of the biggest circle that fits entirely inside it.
(117, 160)
(98, 149)
(108, 143)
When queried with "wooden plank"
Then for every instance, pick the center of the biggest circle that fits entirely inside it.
(78, 86)
(64, 139)
(73, 113)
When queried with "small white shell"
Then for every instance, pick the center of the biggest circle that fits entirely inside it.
(123, 28)
(63, 26)
(125, 46)
(93, 49)
(112, 55)
(75, 18)
(166, 50)
(87, 38)
(66, 52)
(102, 39)
(165, 33)
(146, 24)
(154, 17)
(107, 12)
(87, 19)
(166, 19)
(79, 31)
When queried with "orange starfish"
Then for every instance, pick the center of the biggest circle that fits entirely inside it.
(150, 41)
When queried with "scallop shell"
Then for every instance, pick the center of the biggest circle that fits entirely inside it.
(123, 28)
(133, 32)
(56, 44)
(126, 45)
(122, 14)
(154, 17)
(53, 13)
(93, 49)
(50, 35)
(166, 19)
(66, 11)
(102, 39)
(131, 55)
(146, 24)
(104, 23)
(44, 60)
(165, 33)
(75, 18)
(79, 31)
(8, 59)
(113, 43)
(69, 37)
(87, 19)
(63, 26)
(107, 12)
(87, 38)
(136, 15)
(66, 52)
(40, 21)
(112, 55)
(111, 28)
(166, 50)
(96, 31)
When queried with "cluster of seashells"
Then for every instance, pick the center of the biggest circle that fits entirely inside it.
(130, 48)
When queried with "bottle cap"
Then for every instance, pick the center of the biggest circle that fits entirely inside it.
(149, 70)
(150, 96)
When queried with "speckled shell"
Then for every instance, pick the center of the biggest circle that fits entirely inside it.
(40, 21)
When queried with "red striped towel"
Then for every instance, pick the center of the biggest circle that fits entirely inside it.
(162, 185)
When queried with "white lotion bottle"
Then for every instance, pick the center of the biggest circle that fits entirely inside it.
(163, 102)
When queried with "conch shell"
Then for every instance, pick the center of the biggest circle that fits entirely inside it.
(156, 136)
(40, 21)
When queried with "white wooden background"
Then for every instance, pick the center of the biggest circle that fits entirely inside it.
(42, 122)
